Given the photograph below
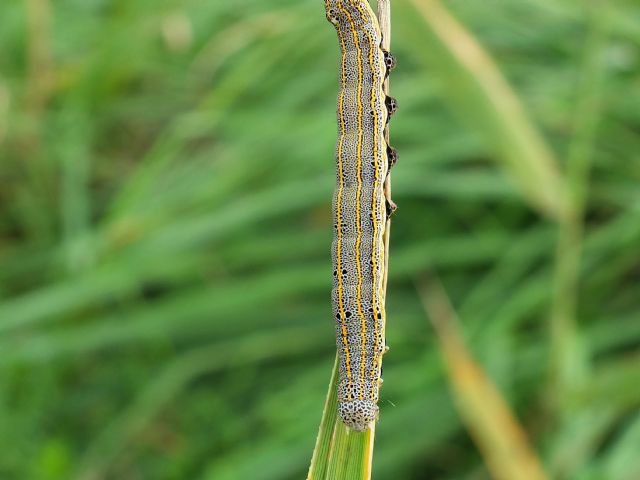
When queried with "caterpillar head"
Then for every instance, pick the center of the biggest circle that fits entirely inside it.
(358, 414)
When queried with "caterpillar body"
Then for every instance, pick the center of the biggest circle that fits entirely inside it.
(360, 209)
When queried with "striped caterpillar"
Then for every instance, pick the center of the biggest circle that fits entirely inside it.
(360, 209)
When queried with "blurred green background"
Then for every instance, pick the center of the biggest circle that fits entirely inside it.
(166, 175)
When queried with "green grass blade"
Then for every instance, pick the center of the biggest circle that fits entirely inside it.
(488, 103)
(340, 453)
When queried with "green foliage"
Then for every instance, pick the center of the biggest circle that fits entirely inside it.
(165, 183)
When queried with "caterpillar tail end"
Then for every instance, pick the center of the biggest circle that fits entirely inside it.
(358, 415)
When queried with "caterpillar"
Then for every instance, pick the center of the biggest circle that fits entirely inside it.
(360, 209)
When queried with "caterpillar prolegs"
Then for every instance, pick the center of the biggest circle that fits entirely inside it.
(360, 209)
